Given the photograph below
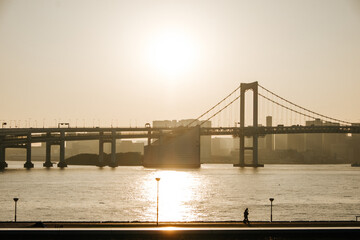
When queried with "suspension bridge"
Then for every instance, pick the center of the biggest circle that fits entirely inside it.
(227, 117)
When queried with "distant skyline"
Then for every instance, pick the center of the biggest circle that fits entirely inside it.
(132, 62)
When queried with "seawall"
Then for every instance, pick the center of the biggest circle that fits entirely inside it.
(190, 230)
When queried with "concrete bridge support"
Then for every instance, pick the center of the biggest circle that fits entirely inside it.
(62, 162)
(3, 163)
(48, 162)
(113, 162)
(181, 149)
(112, 141)
(101, 162)
(28, 164)
(149, 138)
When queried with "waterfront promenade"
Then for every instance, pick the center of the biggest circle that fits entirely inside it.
(181, 230)
(222, 224)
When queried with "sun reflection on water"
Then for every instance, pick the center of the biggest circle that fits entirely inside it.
(176, 192)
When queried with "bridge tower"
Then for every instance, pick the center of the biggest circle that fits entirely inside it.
(243, 88)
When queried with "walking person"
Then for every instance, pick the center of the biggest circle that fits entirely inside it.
(246, 215)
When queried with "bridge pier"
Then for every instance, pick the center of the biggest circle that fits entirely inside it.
(113, 162)
(243, 88)
(149, 137)
(48, 162)
(62, 162)
(101, 162)
(28, 164)
(3, 163)
(181, 150)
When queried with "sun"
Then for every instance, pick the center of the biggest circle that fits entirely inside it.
(172, 53)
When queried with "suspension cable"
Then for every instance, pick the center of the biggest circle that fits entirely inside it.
(220, 110)
(213, 107)
(304, 114)
(318, 114)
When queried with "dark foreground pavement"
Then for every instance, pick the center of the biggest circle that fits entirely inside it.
(211, 230)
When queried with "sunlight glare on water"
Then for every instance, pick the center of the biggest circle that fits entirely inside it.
(176, 191)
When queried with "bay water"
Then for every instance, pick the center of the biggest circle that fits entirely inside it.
(214, 192)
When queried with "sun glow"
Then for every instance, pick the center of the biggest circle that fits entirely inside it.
(172, 53)
(176, 191)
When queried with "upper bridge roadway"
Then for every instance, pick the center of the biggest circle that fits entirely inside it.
(20, 135)
(37, 135)
(250, 131)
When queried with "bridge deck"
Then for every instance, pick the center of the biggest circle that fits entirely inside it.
(18, 136)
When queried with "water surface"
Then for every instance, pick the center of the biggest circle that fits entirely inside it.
(211, 193)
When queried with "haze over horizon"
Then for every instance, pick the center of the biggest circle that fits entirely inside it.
(138, 61)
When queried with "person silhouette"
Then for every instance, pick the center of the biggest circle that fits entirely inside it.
(246, 214)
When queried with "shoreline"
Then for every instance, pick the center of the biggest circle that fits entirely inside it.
(331, 230)
(210, 224)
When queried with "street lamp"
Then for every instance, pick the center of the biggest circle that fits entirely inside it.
(271, 201)
(15, 200)
(157, 202)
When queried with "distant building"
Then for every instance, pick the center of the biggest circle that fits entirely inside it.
(124, 146)
(77, 147)
(221, 146)
(269, 139)
(281, 142)
(332, 141)
(296, 142)
(165, 124)
(262, 142)
(314, 141)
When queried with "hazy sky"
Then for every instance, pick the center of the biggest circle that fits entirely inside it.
(137, 61)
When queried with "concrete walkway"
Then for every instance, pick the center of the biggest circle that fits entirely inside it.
(230, 224)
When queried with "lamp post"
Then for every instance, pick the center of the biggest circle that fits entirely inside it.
(15, 200)
(157, 202)
(271, 201)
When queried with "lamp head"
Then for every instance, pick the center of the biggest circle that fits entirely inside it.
(157, 179)
(16, 199)
(271, 199)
